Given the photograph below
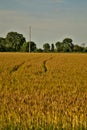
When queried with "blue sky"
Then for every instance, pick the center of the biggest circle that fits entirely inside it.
(50, 20)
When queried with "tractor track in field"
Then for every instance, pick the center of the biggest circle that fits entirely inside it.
(16, 67)
(45, 69)
(44, 65)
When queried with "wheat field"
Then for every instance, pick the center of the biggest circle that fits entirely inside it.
(46, 91)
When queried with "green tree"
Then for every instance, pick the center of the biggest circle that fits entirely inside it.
(68, 45)
(59, 46)
(46, 47)
(78, 48)
(67, 48)
(25, 47)
(52, 47)
(68, 41)
(85, 49)
(2, 44)
(39, 50)
(14, 41)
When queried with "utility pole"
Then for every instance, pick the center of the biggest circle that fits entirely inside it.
(29, 39)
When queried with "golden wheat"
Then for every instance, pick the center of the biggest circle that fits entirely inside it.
(41, 90)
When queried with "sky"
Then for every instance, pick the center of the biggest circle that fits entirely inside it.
(50, 20)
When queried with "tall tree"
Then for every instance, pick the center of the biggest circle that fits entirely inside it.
(14, 41)
(2, 44)
(59, 46)
(52, 47)
(68, 41)
(46, 47)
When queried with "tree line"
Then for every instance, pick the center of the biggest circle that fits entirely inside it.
(15, 42)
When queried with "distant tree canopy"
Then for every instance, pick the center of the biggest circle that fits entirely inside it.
(46, 47)
(65, 46)
(52, 48)
(16, 42)
(2, 44)
(59, 46)
(25, 47)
